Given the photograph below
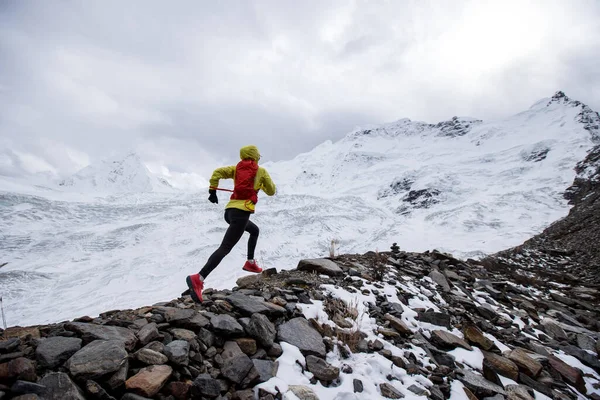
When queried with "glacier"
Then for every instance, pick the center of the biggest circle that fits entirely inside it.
(115, 236)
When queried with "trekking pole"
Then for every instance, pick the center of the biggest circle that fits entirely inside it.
(2, 309)
(224, 190)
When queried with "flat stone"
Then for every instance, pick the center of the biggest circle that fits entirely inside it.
(435, 318)
(183, 334)
(149, 380)
(398, 324)
(586, 343)
(54, 351)
(583, 356)
(303, 392)
(447, 340)
(10, 345)
(248, 305)
(205, 385)
(178, 352)
(262, 329)
(248, 281)
(151, 357)
(525, 362)
(321, 369)
(236, 364)
(475, 336)
(266, 369)
(299, 333)
(148, 333)
(517, 392)
(226, 325)
(59, 386)
(91, 332)
(24, 387)
(320, 266)
(97, 359)
(440, 279)
(389, 391)
(480, 386)
(553, 330)
(418, 390)
(570, 374)
(20, 368)
(502, 365)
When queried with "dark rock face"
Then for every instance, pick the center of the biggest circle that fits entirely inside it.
(97, 359)
(54, 351)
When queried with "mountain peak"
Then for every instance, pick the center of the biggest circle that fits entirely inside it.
(121, 174)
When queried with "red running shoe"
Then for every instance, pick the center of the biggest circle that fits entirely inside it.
(251, 266)
(196, 286)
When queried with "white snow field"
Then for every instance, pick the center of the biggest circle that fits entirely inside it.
(114, 236)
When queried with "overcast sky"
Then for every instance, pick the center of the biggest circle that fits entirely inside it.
(186, 83)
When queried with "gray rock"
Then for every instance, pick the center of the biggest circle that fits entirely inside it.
(262, 329)
(236, 364)
(118, 378)
(321, 369)
(418, 390)
(91, 332)
(440, 279)
(435, 318)
(178, 352)
(54, 351)
(249, 305)
(582, 355)
(266, 369)
(389, 391)
(59, 386)
(97, 359)
(299, 333)
(275, 351)
(358, 386)
(176, 316)
(395, 309)
(24, 387)
(479, 385)
(525, 361)
(553, 330)
(586, 343)
(151, 357)
(205, 385)
(9, 346)
(226, 325)
(148, 333)
(30, 396)
(320, 266)
(447, 340)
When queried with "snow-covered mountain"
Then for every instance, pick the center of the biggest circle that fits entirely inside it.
(463, 186)
(117, 175)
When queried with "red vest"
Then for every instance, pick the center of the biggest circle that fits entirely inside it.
(243, 187)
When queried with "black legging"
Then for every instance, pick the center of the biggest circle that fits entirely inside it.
(239, 221)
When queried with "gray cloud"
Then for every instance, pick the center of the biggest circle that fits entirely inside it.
(186, 83)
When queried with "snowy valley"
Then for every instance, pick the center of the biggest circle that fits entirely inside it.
(116, 236)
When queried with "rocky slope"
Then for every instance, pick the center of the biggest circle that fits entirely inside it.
(378, 325)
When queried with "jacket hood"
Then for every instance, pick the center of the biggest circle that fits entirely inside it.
(249, 152)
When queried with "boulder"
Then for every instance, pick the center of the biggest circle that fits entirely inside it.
(149, 380)
(262, 329)
(299, 333)
(321, 369)
(97, 359)
(54, 351)
(59, 386)
(91, 332)
(320, 266)
(178, 352)
(236, 364)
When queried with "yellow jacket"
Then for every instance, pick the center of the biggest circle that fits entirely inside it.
(262, 181)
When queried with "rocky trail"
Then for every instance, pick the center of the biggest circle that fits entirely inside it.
(378, 325)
